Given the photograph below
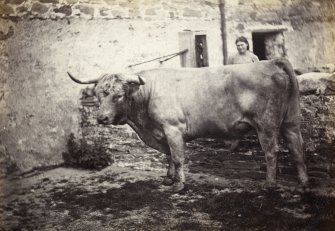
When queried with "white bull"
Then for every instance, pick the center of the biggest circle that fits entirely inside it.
(168, 107)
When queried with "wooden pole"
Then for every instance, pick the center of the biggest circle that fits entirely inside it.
(223, 31)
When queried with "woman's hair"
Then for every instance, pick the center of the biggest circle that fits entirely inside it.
(242, 39)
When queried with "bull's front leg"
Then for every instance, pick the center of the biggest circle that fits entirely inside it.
(176, 142)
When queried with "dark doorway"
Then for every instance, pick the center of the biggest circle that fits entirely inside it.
(268, 45)
(201, 54)
(258, 41)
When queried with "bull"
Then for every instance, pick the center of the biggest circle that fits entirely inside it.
(167, 107)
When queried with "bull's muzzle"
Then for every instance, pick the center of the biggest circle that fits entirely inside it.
(117, 120)
(103, 119)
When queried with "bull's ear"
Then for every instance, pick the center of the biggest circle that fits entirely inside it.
(134, 79)
(134, 82)
(88, 92)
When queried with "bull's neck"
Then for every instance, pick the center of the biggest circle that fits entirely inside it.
(138, 108)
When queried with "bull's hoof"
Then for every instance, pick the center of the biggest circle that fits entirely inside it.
(304, 183)
(304, 188)
(270, 186)
(167, 181)
(177, 187)
(234, 145)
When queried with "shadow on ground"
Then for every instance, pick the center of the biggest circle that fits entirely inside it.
(224, 192)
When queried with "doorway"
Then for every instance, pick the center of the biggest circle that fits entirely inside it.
(268, 45)
(201, 55)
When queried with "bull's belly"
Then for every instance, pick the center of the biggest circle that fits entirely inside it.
(211, 130)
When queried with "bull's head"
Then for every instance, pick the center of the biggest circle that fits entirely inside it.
(113, 92)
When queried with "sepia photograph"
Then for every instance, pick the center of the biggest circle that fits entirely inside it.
(167, 115)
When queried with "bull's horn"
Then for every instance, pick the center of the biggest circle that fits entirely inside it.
(142, 81)
(84, 82)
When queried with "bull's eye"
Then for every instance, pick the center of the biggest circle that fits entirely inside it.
(101, 95)
(117, 97)
(106, 88)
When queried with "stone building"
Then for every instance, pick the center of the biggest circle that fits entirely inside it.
(40, 40)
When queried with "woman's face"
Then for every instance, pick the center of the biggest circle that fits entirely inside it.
(241, 47)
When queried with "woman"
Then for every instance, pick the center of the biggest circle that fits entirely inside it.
(243, 55)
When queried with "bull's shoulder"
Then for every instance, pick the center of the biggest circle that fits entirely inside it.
(151, 135)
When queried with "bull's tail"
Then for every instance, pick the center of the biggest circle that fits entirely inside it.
(287, 67)
(292, 116)
(292, 119)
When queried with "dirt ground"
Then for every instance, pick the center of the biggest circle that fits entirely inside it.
(224, 191)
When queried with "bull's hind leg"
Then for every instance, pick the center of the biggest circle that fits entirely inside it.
(269, 142)
(294, 142)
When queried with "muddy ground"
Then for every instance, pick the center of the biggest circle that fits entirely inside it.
(223, 192)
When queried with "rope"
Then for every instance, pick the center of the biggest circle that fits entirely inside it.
(170, 56)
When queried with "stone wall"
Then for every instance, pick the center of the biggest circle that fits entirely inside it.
(111, 9)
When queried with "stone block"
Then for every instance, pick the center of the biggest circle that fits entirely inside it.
(14, 2)
(119, 14)
(110, 2)
(172, 15)
(150, 12)
(283, 13)
(39, 8)
(212, 4)
(104, 12)
(49, 1)
(128, 4)
(270, 17)
(253, 15)
(7, 163)
(191, 13)
(71, 2)
(86, 10)
(135, 13)
(317, 83)
(169, 7)
(67, 10)
(297, 23)
(240, 27)
(10, 33)
(6, 9)
(21, 9)
(151, 2)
